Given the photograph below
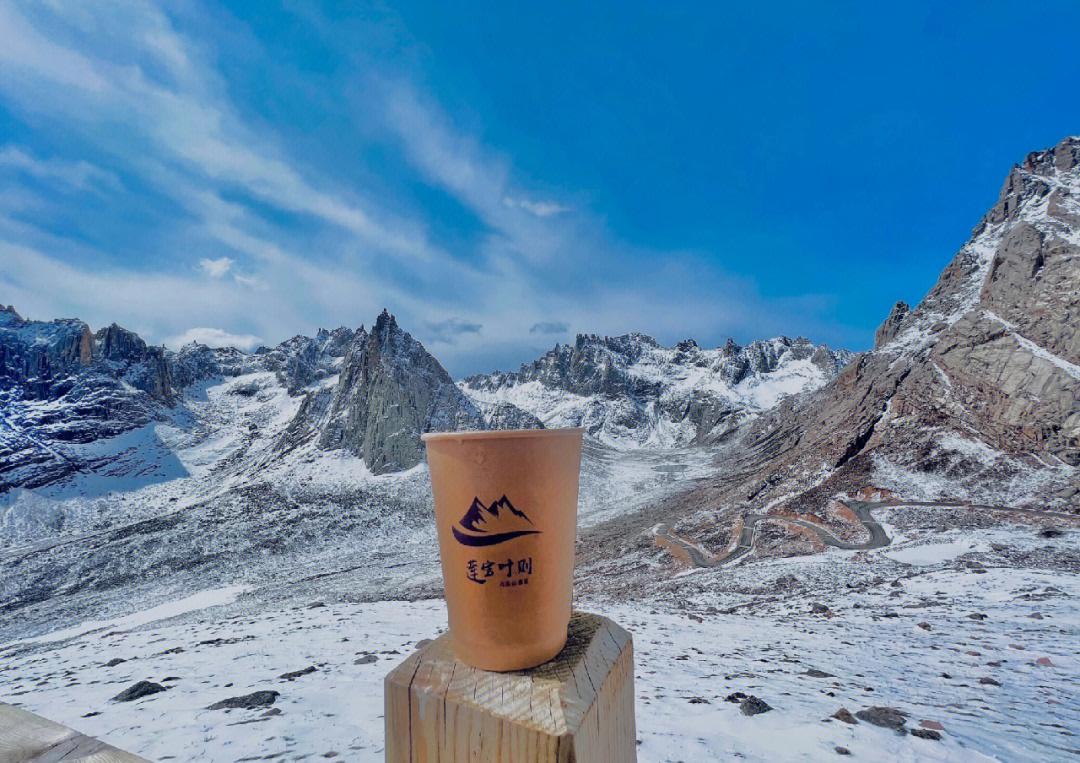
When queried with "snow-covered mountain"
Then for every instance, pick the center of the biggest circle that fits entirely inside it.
(973, 395)
(63, 388)
(981, 380)
(68, 393)
(628, 391)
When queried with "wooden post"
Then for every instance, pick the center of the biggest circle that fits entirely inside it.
(26, 737)
(577, 708)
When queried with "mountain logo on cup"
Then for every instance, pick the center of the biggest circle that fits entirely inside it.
(487, 525)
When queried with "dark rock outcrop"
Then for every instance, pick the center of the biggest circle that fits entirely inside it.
(887, 717)
(138, 690)
(390, 390)
(128, 356)
(251, 701)
(303, 360)
(887, 331)
(294, 674)
(754, 706)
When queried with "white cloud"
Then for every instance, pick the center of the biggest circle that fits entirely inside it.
(30, 52)
(250, 281)
(78, 174)
(481, 178)
(216, 268)
(212, 337)
(94, 77)
(538, 208)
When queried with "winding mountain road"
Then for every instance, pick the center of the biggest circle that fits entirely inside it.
(861, 509)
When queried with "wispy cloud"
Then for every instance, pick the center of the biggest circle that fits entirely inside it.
(538, 208)
(549, 328)
(76, 174)
(448, 331)
(216, 268)
(185, 118)
(151, 300)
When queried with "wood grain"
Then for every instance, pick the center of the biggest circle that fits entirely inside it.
(578, 707)
(25, 737)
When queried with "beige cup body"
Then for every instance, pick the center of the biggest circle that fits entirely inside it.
(506, 510)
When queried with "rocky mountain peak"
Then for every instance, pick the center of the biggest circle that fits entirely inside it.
(389, 391)
(302, 360)
(1062, 158)
(1048, 176)
(117, 343)
(985, 370)
(386, 326)
(38, 355)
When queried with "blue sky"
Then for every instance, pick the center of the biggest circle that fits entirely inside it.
(504, 177)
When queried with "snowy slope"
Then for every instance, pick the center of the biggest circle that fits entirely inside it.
(977, 641)
(207, 497)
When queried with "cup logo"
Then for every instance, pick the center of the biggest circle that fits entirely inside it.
(487, 525)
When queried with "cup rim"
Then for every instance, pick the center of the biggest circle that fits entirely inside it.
(499, 434)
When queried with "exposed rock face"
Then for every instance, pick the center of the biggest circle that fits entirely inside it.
(887, 331)
(143, 367)
(251, 701)
(389, 391)
(981, 376)
(887, 717)
(37, 355)
(138, 691)
(302, 360)
(62, 385)
(196, 363)
(629, 391)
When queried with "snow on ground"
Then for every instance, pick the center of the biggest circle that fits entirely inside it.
(984, 648)
(1016, 480)
(614, 482)
(935, 553)
(200, 600)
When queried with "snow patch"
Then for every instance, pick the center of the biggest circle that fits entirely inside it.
(202, 600)
(935, 553)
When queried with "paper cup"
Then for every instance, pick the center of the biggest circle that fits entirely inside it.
(506, 510)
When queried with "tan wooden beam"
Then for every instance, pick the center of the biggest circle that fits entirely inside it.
(578, 707)
(26, 738)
